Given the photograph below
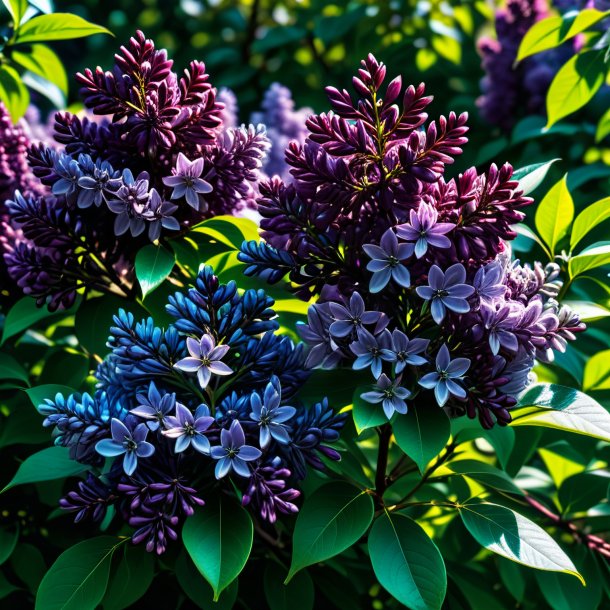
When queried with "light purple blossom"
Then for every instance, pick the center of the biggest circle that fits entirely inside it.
(500, 324)
(372, 351)
(187, 182)
(391, 395)
(188, 429)
(425, 230)
(444, 381)
(154, 407)
(446, 291)
(205, 359)
(233, 453)
(315, 333)
(385, 263)
(131, 204)
(350, 318)
(269, 416)
(488, 282)
(406, 350)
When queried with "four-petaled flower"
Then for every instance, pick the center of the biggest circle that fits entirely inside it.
(350, 318)
(205, 359)
(406, 350)
(446, 291)
(131, 444)
(445, 379)
(270, 416)
(424, 230)
(154, 407)
(187, 182)
(390, 394)
(188, 429)
(233, 453)
(385, 263)
(372, 351)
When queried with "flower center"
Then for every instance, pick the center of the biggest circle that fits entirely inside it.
(392, 261)
(439, 294)
(130, 444)
(205, 361)
(188, 181)
(232, 452)
(189, 430)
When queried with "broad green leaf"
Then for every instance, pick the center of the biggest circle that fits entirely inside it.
(603, 127)
(407, 563)
(153, 266)
(8, 542)
(298, 594)
(588, 219)
(531, 177)
(507, 533)
(57, 26)
(582, 491)
(29, 565)
(46, 465)
(78, 579)
(512, 577)
(43, 61)
(583, 20)
(596, 255)
(555, 214)
(576, 82)
(11, 369)
(422, 433)
(13, 92)
(545, 34)
(218, 537)
(588, 311)
(365, 414)
(502, 439)
(561, 461)
(555, 406)
(229, 230)
(38, 393)
(486, 474)
(597, 372)
(333, 518)
(133, 577)
(197, 588)
(17, 9)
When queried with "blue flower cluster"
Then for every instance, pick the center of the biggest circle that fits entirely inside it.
(177, 412)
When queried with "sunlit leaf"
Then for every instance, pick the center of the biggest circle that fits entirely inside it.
(588, 219)
(13, 92)
(531, 177)
(43, 61)
(596, 255)
(555, 214)
(57, 26)
(153, 266)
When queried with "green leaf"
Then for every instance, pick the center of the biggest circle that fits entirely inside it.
(57, 26)
(8, 542)
(587, 311)
(43, 61)
(596, 255)
(29, 565)
(531, 177)
(333, 518)
(17, 10)
(229, 230)
(584, 490)
(298, 594)
(545, 34)
(502, 439)
(197, 588)
(486, 474)
(153, 266)
(422, 433)
(507, 533)
(365, 414)
(132, 578)
(22, 426)
(588, 219)
(603, 127)
(11, 369)
(555, 214)
(218, 537)
(78, 579)
(576, 82)
(407, 563)
(597, 372)
(38, 393)
(561, 408)
(46, 465)
(13, 92)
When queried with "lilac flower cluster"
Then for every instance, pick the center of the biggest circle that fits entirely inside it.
(206, 406)
(510, 91)
(159, 160)
(412, 273)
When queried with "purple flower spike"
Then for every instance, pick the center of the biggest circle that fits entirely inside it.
(233, 453)
(446, 291)
(188, 429)
(444, 381)
(390, 394)
(424, 230)
(131, 444)
(154, 407)
(385, 263)
(406, 350)
(270, 416)
(187, 182)
(351, 318)
(372, 351)
(205, 359)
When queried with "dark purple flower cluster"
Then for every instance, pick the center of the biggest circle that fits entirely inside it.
(413, 273)
(206, 405)
(157, 161)
(509, 90)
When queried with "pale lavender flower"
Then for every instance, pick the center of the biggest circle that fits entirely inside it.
(154, 407)
(372, 351)
(351, 317)
(205, 359)
(316, 334)
(385, 263)
(161, 212)
(446, 291)
(488, 282)
(500, 324)
(188, 429)
(269, 416)
(425, 230)
(444, 381)
(391, 395)
(233, 453)
(129, 443)
(187, 182)
(131, 204)
(406, 350)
